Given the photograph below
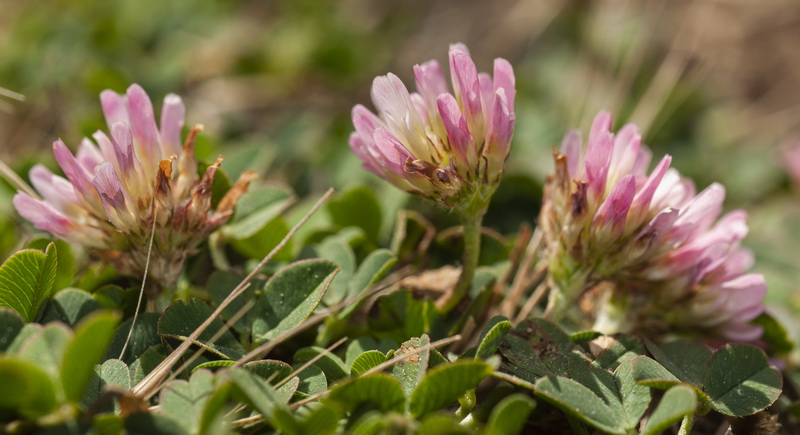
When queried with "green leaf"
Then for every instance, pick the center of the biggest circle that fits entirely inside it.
(254, 210)
(579, 402)
(220, 284)
(357, 207)
(510, 415)
(212, 418)
(112, 297)
(185, 401)
(92, 336)
(536, 348)
(411, 369)
(338, 251)
(443, 384)
(265, 240)
(112, 372)
(254, 391)
(153, 424)
(10, 325)
(739, 381)
(610, 351)
(312, 381)
(635, 398)
(321, 420)
(290, 296)
(358, 346)
(286, 423)
(108, 424)
(213, 364)
(27, 389)
(148, 361)
(371, 270)
(379, 389)
(65, 268)
(676, 403)
(686, 360)
(332, 365)
(144, 336)
(366, 361)
(26, 280)
(774, 334)
(272, 371)
(648, 372)
(401, 315)
(46, 347)
(182, 317)
(412, 235)
(286, 391)
(70, 306)
(27, 331)
(492, 335)
(442, 423)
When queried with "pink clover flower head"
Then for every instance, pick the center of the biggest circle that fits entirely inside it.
(119, 184)
(440, 145)
(659, 245)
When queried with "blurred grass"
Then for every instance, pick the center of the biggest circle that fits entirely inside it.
(715, 83)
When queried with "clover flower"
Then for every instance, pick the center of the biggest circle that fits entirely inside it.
(440, 145)
(122, 186)
(669, 260)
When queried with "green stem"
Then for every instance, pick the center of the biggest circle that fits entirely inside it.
(471, 220)
(686, 425)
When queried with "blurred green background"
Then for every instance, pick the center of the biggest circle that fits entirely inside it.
(715, 83)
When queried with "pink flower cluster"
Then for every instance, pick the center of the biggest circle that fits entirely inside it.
(658, 244)
(117, 186)
(439, 145)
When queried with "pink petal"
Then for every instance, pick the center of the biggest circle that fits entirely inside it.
(600, 125)
(360, 150)
(78, 176)
(54, 189)
(44, 216)
(389, 152)
(116, 201)
(143, 126)
(742, 332)
(504, 79)
(172, 118)
(88, 155)
(614, 210)
(461, 141)
(501, 128)
(701, 211)
(571, 147)
(115, 107)
(598, 156)
(645, 195)
(430, 82)
(466, 86)
(626, 149)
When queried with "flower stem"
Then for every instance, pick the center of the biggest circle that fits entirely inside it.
(471, 219)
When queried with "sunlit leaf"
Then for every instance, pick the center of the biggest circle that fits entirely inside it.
(379, 389)
(739, 380)
(676, 403)
(290, 297)
(443, 384)
(27, 279)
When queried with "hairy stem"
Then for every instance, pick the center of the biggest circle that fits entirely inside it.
(471, 220)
